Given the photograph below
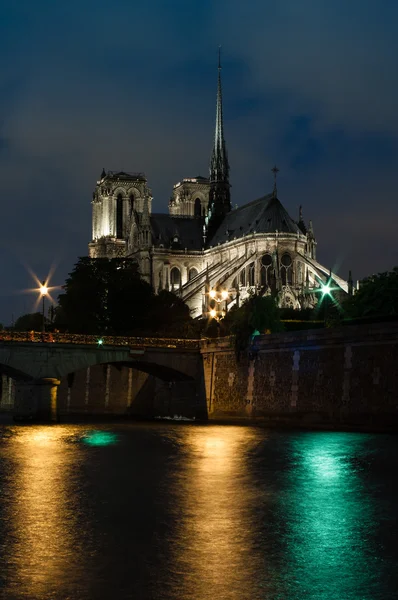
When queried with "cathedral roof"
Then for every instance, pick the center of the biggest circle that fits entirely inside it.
(122, 175)
(265, 215)
(167, 229)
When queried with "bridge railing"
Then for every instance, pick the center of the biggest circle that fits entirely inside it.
(101, 341)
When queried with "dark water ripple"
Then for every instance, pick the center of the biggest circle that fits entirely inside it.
(181, 512)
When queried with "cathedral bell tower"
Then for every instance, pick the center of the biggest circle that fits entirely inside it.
(220, 195)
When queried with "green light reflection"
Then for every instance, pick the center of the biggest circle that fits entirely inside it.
(329, 518)
(100, 438)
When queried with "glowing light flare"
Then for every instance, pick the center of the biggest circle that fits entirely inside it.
(326, 289)
(42, 289)
(100, 342)
(213, 313)
(219, 296)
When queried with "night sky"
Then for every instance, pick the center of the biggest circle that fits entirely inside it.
(311, 86)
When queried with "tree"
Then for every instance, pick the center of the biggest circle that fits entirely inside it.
(257, 313)
(108, 296)
(169, 315)
(377, 296)
(103, 296)
(29, 322)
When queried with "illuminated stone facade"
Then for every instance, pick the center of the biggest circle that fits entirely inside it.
(204, 245)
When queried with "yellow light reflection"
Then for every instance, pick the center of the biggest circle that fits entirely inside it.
(216, 529)
(42, 522)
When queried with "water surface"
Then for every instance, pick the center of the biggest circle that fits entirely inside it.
(199, 512)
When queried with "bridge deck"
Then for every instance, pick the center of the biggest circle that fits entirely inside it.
(95, 340)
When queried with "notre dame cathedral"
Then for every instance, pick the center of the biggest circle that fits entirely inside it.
(213, 256)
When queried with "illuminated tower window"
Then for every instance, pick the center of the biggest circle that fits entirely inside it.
(119, 216)
(198, 208)
(175, 278)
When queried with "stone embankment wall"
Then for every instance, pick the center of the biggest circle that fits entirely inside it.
(345, 375)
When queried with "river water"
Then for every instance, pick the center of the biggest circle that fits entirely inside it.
(201, 512)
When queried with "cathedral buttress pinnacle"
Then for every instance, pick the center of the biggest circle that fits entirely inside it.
(220, 197)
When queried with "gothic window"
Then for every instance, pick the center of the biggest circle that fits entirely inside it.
(198, 208)
(251, 274)
(119, 216)
(265, 270)
(132, 203)
(192, 273)
(242, 277)
(286, 269)
(300, 272)
(175, 277)
(266, 260)
(235, 284)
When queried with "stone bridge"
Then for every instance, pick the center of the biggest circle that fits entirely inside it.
(38, 362)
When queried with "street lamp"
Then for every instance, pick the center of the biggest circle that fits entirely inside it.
(217, 297)
(43, 292)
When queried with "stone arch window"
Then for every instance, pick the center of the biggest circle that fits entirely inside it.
(251, 275)
(235, 283)
(132, 201)
(265, 269)
(175, 277)
(197, 207)
(192, 273)
(286, 269)
(119, 216)
(242, 277)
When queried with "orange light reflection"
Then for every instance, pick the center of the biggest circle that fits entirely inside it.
(43, 524)
(216, 529)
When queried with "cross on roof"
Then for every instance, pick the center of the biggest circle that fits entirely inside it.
(275, 171)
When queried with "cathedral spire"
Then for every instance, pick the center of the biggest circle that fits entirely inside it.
(219, 166)
(219, 195)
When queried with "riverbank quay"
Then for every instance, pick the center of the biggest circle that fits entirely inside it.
(340, 378)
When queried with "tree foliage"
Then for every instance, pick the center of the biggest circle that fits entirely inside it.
(377, 296)
(257, 314)
(29, 322)
(109, 296)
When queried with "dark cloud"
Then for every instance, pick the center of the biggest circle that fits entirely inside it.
(310, 85)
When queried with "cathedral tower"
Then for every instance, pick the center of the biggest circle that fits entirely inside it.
(121, 203)
(220, 196)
